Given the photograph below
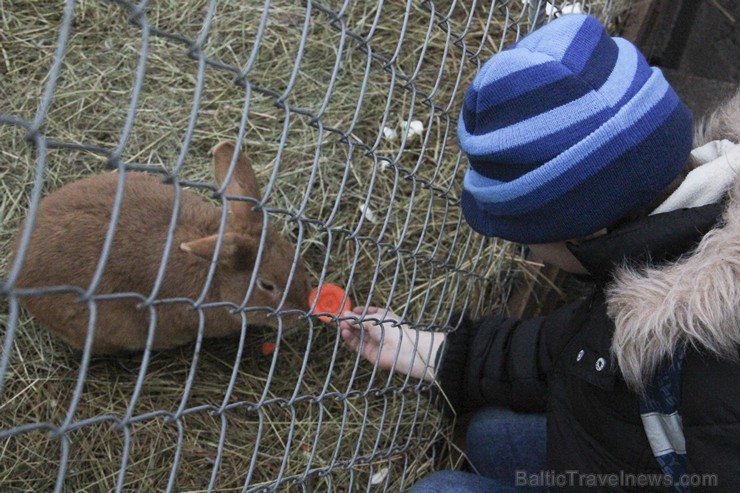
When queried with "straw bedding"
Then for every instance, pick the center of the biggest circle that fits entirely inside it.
(376, 215)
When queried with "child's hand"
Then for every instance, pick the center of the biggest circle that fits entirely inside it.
(419, 362)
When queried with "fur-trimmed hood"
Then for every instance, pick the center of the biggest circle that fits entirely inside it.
(693, 301)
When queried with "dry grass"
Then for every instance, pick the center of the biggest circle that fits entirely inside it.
(340, 441)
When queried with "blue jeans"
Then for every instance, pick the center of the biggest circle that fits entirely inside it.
(500, 442)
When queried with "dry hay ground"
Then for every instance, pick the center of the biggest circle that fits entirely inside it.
(341, 441)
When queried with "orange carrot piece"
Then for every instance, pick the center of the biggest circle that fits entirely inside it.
(268, 348)
(330, 301)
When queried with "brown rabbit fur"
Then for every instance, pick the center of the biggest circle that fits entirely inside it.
(68, 238)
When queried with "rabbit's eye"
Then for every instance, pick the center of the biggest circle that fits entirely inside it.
(265, 286)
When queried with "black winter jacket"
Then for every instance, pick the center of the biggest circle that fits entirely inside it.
(564, 364)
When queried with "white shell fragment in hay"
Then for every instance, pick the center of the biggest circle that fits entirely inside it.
(367, 213)
(551, 9)
(566, 8)
(415, 128)
(379, 476)
(572, 9)
(389, 133)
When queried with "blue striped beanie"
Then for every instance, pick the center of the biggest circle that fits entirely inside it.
(566, 133)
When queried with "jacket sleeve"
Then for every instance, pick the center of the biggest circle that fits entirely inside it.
(500, 361)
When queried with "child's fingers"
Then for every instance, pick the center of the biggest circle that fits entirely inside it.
(374, 330)
(356, 312)
(350, 323)
(369, 348)
(351, 338)
(351, 317)
(371, 330)
(369, 310)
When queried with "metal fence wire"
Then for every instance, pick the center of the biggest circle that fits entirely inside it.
(347, 111)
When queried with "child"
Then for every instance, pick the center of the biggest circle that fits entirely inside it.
(582, 151)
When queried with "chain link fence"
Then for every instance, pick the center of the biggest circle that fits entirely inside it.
(347, 111)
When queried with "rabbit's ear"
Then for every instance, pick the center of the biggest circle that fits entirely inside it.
(237, 251)
(243, 183)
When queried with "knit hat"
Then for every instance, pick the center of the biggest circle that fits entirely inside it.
(566, 133)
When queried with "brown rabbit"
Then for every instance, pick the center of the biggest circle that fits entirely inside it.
(68, 238)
